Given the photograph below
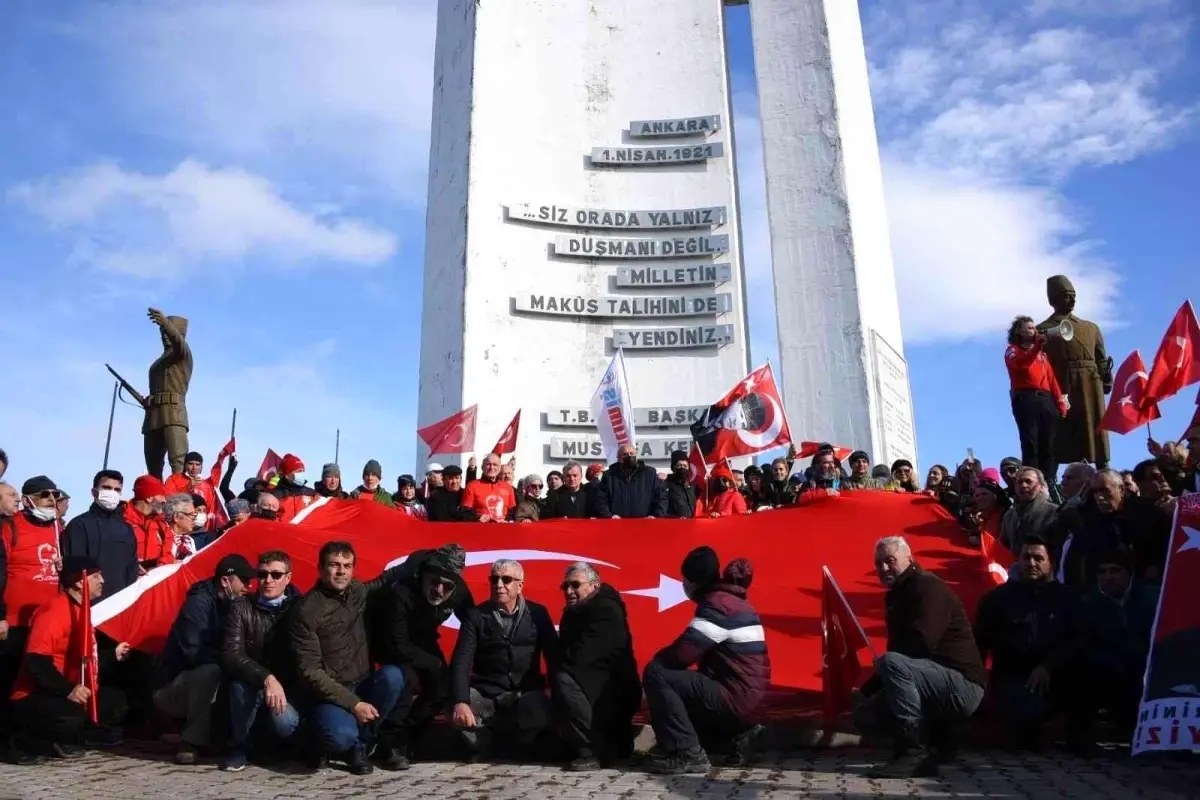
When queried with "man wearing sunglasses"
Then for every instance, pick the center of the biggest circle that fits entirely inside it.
(496, 677)
(405, 634)
(596, 688)
(254, 657)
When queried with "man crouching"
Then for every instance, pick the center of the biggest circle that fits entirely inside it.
(596, 689)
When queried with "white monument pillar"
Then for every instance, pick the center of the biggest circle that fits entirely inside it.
(842, 361)
(582, 196)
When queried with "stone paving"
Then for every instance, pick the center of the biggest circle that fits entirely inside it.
(148, 773)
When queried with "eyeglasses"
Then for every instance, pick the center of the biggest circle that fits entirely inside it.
(273, 574)
(537, 486)
(572, 585)
(505, 579)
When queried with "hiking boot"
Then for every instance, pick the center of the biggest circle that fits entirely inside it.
(584, 761)
(744, 745)
(914, 763)
(60, 750)
(315, 762)
(357, 762)
(391, 758)
(682, 762)
(187, 755)
(234, 761)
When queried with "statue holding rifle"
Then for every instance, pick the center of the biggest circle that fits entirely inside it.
(165, 429)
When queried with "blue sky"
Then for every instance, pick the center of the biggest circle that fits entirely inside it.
(260, 167)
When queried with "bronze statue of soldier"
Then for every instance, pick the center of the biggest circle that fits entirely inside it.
(1084, 372)
(165, 429)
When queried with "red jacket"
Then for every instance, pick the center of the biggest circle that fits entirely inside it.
(1030, 369)
(730, 503)
(153, 536)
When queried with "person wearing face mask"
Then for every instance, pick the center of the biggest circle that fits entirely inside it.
(193, 481)
(33, 562)
(429, 590)
(630, 489)
(292, 489)
(267, 507)
(144, 515)
(681, 490)
(102, 534)
(202, 533)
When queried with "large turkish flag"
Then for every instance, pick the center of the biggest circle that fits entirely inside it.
(639, 558)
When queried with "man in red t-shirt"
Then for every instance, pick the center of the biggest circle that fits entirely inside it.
(489, 497)
(1038, 402)
(50, 700)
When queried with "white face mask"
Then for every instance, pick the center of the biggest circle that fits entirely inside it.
(44, 514)
(201, 519)
(108, 499)
(299, 478)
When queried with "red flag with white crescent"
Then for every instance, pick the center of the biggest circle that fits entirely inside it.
(1128, 407)
(269, 467)
(508, 439)
(841, 638)
(454, 434)
(747, 420)
(1177, 362)
(810, 449)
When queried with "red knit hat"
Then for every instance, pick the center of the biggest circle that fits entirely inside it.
(290, 465)
(148, 486)
(721, 471)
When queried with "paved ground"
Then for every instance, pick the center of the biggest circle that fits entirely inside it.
(135, 774)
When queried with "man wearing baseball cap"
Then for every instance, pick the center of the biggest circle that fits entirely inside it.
(445, 502)
(190, 669)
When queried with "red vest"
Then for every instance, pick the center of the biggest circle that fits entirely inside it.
(32, 576)
(152, 534)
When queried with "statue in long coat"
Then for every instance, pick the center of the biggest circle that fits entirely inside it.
(1084, 371)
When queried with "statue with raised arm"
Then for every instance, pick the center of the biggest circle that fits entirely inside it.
(1084, 372)
(165, 429)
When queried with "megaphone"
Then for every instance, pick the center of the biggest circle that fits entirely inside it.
(1063, 330)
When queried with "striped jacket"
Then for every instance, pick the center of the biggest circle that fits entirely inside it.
(726, 642)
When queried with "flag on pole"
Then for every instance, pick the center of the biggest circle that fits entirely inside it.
(270, 465)
(747, 420)
(90, 668)
(1128, 408)
(996, 557)
(842, 637)
(508, 439)
(612, 408)
(1177, 363)
(452, 435)
(810, 449)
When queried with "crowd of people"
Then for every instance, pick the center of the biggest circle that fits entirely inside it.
(353, 670)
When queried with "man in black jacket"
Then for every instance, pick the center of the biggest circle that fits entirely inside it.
(1031, 627)
(445, 501)
(191, 673)
(569, 501)
(931, 675)
(496, 680)
(681, 491)
(101, 533)
(630, 489)
(596, 688)
(405, 628)
(254, 658)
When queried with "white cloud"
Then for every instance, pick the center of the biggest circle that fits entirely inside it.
(143, 225)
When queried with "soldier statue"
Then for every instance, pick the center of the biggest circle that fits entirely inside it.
(1084, 372)
(165, 429)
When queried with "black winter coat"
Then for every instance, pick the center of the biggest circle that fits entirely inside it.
(565, 504)
(597, 648)
(446, 506)
(405, 629)
(1024, 624)
(195, 638)
(106, 537)
(494, 664)
(681, 497)
(630, 495)
(255, 642)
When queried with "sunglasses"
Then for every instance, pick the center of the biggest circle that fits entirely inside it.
(572, 585)
(505, 579)
(534, 485)
(273, 574)
(445, 583)
(48, 495)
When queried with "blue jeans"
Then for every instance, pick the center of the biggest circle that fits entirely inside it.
(244, 704)
(914, 692)
(336, 730)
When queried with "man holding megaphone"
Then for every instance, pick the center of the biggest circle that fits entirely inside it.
(1038, 403)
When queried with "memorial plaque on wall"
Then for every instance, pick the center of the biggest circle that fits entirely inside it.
(663, 417)
(687, 126)
(895, 402)
(605, 306)
(653, 156)
(691, 275)
(659, 338)
(670, 247)
(666, 219)
(650, 448)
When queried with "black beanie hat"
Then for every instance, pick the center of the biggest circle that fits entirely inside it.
(449, 559)
(702, 567)
(677, 456)
(193, 456)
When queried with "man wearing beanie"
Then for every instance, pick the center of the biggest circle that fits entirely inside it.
(860, 472)
(1009, 467)
(726, 643)
(904, 476)
(405, 634)
(330, 484)
(681, 491)
(144, 514)
(372, 486)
